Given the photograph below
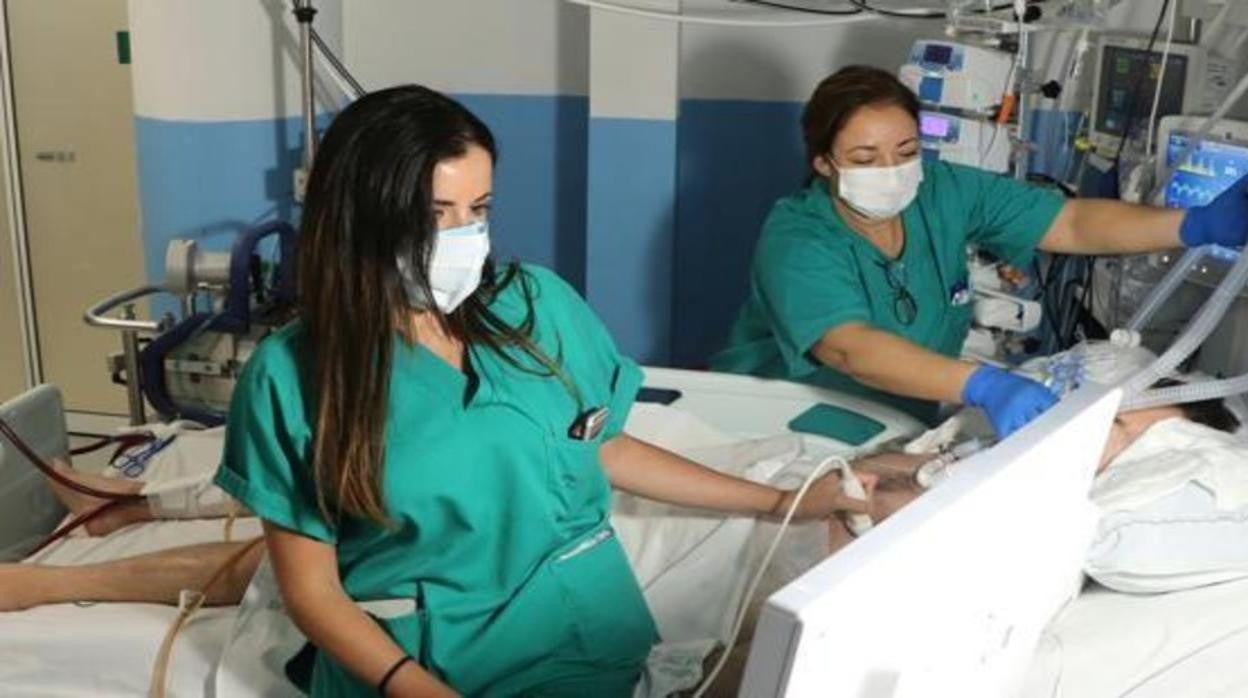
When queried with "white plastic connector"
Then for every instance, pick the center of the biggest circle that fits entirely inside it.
(852, 487)
(1123, 337)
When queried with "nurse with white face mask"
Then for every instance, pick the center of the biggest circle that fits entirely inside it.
(432, 444)
(859, 282)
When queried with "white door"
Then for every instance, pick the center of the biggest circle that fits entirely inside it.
(75, 128)
(12, 366)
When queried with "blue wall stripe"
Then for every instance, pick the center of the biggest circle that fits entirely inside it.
(539, 205)
(654, 220)
(206, 181)
(736, 159)
(631, 224)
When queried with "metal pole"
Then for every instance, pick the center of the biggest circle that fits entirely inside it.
(1024, 98)
(134, 392)
(17, 211)
(304, 13)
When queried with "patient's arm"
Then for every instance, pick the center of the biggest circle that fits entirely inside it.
(643, 469)
(892, 465)
(152, 578)
(118, 516)
(79, 503)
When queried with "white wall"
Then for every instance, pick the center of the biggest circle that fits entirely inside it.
(470, 46)
(221, 61)
(783, 63)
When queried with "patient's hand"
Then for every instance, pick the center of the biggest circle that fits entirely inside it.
(826, 498)
(892, 492)
(892, 464)
(79, 503)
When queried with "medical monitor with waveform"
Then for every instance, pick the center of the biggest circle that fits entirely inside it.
(1212, 166)
(949, 596)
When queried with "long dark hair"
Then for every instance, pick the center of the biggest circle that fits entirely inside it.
(840, 95)
(369, 197)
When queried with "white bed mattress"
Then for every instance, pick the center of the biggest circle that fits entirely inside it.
(109, 649)
(1188, 644)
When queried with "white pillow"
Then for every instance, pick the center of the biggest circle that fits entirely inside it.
(1174, 511)
(1180, 541)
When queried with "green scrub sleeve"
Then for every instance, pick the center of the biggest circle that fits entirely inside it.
(806, 287)
(1007, 217)
(266, 464)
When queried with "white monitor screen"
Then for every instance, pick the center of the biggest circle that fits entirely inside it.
(1211, 168)
(1128, 83)
(949, 596)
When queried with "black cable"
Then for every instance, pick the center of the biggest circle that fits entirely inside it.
(1052, 300)
(1050, 180)
(1133, 104)
(337, 64)
(807, 10)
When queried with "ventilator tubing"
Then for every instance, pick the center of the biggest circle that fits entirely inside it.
(1136, 389)
(1162, 292)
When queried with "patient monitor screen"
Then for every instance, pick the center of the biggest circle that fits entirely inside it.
(1126, 71)
(1211, 168)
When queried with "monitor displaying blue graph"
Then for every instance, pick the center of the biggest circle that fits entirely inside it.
(1213, 166)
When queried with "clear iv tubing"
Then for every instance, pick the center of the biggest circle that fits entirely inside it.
(1136, 389)
(758, 576)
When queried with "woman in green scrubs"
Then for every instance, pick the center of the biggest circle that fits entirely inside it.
(859, 281)
(437, 431)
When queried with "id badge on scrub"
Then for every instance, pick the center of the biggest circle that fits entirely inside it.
(589, 425)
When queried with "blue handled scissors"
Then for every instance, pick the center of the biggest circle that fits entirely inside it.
(132, 464)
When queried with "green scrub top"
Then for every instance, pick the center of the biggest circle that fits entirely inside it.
(501, 529)
(812, 273)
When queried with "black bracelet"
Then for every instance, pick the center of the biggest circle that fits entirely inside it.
(381, 685)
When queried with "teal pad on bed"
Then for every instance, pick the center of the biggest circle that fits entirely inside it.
(837, 423)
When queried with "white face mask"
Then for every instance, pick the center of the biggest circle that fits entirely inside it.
(880, 192)
(454, 267)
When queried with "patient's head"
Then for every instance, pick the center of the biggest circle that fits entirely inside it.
(1129, 425)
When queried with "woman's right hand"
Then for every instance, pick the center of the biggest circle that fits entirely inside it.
(826, 498)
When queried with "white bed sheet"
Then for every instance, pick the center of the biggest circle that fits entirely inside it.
(1188, 644)
(109, 649)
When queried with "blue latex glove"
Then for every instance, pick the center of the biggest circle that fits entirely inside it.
(1223, 221)
(1009, 400)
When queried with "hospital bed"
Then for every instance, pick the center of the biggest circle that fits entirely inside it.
(108, 649)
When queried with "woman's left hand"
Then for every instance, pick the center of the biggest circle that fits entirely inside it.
(826, 498)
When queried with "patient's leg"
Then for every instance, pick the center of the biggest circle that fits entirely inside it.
(152, 578)
(79, 503)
